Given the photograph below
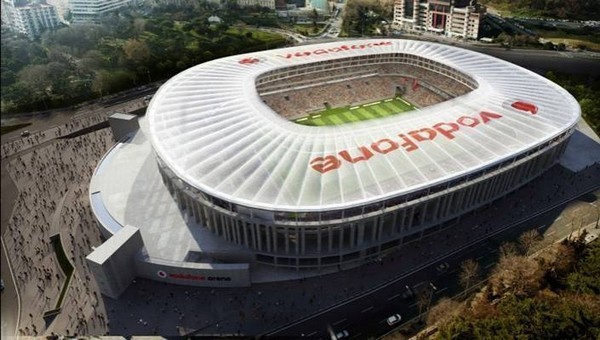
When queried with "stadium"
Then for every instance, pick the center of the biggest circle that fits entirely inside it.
(320, 157)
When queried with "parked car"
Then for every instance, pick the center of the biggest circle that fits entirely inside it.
(340, 335)
(394, 319)
(442, 267)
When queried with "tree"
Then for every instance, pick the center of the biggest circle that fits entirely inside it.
(508, 249)
(528, 240)
(101, 82)
(586, 277)
(444, 311)
(423, 299)
(519, 275)
(139, 26)
(36, 79)
(469, 271)
(136, 51)
(549, 46)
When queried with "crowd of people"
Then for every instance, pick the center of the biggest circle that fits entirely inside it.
(296, 96)
(52, 176)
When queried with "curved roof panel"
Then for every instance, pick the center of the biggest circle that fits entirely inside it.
(209, 126)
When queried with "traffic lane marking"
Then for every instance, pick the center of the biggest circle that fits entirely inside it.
(393, 297)
(338, 322)
(440, 290)
(366, 309)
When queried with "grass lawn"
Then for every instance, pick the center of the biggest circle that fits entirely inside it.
(349, 114)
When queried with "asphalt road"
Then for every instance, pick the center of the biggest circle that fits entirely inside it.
(541, 61)
(366, 315)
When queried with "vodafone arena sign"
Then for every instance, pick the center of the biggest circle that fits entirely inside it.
(209, 126)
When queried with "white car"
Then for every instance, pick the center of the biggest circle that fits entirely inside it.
(340, 335)
(442, 267)
(394, 319)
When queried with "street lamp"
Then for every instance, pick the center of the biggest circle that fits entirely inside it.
(425, 300)
(433, 289)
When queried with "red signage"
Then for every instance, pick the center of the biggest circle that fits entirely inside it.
(407, 142)
(319, 51)
(337, 49)
(164, 275)
(525, 106)
(247, 61)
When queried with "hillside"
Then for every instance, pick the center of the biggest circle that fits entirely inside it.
(562, 9)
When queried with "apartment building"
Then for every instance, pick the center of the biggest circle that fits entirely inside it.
(262, 3)
(29, 18)
(89, 11)
(453, 18)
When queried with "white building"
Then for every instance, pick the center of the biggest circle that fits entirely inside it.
(29, 18)
(227, 190)
(62, 8)
(262, 3)
(453, 18)
(85, 11)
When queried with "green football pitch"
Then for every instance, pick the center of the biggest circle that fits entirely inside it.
(349, 114)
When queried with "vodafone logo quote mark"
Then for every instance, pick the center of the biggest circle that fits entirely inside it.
(248, 61)
(525, 106)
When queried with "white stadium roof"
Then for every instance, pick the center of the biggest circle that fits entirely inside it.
(210, 127)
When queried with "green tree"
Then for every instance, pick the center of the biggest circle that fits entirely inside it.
(36, 79)
(469, 271)
(136, 51)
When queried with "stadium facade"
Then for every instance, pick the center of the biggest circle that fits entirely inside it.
(306, 198)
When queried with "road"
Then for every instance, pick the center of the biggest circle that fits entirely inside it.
(541, 61)
(365, 316)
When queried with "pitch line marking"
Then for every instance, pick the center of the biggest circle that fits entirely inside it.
(371, 104)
